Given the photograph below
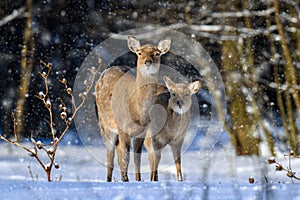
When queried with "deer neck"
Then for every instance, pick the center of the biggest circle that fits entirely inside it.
(177, 121)
(142, 97)
(142, 79)
(145, 88)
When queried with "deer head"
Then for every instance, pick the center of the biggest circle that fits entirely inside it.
(180, 94)
(148, 55)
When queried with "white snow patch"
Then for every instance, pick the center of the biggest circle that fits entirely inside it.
(217, 175)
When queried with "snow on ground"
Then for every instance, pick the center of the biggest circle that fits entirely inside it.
(144, 190)
(216, 175)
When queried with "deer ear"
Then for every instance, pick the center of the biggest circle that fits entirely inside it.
(169, 83)
(194, 87)
(164, 45)
(133, 44)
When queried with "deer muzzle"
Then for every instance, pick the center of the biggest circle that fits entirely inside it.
(148, 63)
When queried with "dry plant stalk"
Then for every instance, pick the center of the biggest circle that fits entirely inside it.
(279, 167)
(51, 148)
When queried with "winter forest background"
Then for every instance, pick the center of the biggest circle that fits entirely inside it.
(255, 45)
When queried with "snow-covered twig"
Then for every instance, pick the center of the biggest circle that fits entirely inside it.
(244, 13)
(12, 16)
(279, 167)
(209, 31)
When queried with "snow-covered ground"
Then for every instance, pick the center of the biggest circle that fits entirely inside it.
(144, 190)
(218, 174)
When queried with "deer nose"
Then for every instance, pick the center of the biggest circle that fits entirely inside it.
(148, 63)
(180, 103)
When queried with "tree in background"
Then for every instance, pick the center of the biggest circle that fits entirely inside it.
(289, 48)
(27, 56)
(242, 127)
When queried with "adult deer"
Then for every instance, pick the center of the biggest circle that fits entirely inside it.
(177, 104)
(123, 107)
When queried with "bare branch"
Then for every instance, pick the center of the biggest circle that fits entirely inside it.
(211, 31)
(244, 13)
(12, 16)
(16, 144)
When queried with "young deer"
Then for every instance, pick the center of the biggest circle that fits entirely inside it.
(177, 104)
(123, 107)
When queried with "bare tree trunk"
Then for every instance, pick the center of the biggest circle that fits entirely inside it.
(291, 79)
(243, 127)
(249, 65)
(26, 68)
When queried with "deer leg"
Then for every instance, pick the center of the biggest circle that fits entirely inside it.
(154, 150)
(178, 169)
(111, 140)
(110, 162)
(119, 152)
(177, 158)
(137, 148)
(124, 155)
(154, 162)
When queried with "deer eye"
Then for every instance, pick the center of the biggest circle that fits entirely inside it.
(156, 54)
(139, 53)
